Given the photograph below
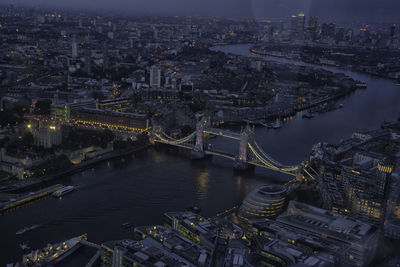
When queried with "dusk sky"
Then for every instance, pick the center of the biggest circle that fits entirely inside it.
(340, 10)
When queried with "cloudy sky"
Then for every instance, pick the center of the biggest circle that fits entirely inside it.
(348, 10)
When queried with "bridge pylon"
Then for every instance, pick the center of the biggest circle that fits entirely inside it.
(241, 161)
(198, 149)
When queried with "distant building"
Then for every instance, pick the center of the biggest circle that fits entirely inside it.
(328, 30)
(297, 25)
(155, 76)
(74, 49)
(117, 104)
(313, 22)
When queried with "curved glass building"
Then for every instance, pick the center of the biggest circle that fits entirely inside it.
(263, 202)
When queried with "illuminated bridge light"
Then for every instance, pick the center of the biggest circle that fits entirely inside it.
(255, 154)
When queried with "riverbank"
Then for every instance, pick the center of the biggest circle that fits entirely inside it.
(277, 54)
(36, 182)
(294, 89)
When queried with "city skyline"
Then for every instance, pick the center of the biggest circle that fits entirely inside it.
(342, 10)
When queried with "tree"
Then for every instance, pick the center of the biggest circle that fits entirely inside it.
(106, 137)
(20, 109)
(6, 118)
(142, 139)
(43, 107)
(186, 130)
(27, 139)
(56, 163)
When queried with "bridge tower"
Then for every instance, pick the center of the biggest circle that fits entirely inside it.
(198, 150)
(241, 161)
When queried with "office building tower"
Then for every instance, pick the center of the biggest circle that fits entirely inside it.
(155, 76)
(328, 30)
(74, 48)
(392, 30)
(313, 22)
(88, 66)
(297, 25)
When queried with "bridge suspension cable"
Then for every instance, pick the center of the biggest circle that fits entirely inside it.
(288, 170)
(258, 156)
(184, 139)
(276, 163)
(169, 140)
(264, 160)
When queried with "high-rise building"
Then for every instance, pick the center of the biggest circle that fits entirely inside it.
(312, 28)
(297, 25)
(328, 30)
(131, 40)
(155, 76)
(340, 34)
(392, 30)
(313, 22)
(88, 66)
(74, 48)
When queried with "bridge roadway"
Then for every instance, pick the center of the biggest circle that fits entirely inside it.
(206, 151)
(90, 244)
(219, 132)
(219, 153)
(225, 155)
(94, 259)
(263, 160)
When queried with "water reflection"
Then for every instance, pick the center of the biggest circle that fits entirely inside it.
(239, 182)
(156, 157)
(203, 184)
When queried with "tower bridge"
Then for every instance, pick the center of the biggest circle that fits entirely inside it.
(250, 154)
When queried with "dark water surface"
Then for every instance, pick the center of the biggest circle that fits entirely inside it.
(142, 188)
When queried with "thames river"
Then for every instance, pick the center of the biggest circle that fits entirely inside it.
(140, 189)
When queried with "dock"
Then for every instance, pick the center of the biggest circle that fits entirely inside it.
(6, 197)
(27, 198)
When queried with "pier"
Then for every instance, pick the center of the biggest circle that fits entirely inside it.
(28, 198)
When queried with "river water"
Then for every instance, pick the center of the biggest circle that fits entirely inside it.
(142, 188)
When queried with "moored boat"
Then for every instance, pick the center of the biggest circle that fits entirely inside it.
(308, 115)
(277, 125)
(64, 190)
(27, 229)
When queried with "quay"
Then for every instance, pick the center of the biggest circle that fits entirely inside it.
(30, 197)
(40, 181)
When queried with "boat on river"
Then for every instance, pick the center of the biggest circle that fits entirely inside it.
(52, 254)
(277, 125)
(27, 229)
(308, 115)
(64, 190)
